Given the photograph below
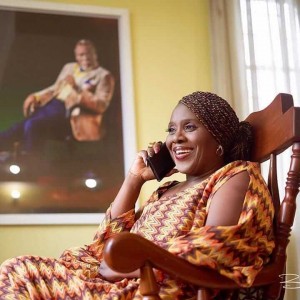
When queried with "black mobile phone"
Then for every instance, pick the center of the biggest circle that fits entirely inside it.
(161, 162)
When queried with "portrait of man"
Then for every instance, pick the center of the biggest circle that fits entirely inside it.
(72, 107)
(60, 112)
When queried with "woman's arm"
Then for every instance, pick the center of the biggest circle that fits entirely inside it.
(125, 200)
(226, 204)
(127, 195)
(138, 174)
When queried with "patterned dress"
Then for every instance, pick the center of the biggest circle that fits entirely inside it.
(176, 223)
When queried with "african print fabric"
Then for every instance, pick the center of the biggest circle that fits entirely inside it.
(176, 223)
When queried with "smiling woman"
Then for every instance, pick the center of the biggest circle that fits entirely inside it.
(212, 218)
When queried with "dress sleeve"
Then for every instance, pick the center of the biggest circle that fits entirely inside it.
(238, 251)
(108, 228)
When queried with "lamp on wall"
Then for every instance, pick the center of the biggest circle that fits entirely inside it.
(14, 169)
(15, 194)
(92, 181)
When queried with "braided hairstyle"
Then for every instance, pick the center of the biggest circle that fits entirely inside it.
(222, 122)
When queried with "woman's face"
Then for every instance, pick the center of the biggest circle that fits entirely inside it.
(191, 145)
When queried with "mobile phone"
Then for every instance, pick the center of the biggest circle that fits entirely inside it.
(161, 163)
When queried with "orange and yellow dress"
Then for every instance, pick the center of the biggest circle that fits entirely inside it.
(176, 223)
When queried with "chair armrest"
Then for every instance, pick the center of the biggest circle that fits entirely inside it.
(127, 252)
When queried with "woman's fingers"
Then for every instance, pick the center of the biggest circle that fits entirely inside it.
(143, 154)
(150, 149)
(153, 148)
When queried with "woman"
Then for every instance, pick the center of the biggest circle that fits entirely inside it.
(220, 216)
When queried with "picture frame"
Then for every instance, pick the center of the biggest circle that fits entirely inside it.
(38, 38)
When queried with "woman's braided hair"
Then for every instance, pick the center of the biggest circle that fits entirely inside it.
(222, 122)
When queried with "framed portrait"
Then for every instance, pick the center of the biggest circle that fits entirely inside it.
(66, 180)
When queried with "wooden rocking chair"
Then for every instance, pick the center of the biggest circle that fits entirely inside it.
(276, 128)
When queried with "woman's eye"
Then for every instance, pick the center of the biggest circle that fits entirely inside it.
(190, 127)
(171, 130)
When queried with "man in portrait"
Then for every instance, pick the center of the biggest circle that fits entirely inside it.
(72, 107)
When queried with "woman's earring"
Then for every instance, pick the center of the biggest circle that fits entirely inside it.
(220, 151)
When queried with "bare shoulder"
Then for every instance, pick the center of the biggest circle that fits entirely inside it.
(226, 204)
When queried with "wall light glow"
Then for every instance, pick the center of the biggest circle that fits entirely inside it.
(15, 169)
(15, 194)
(91, 183)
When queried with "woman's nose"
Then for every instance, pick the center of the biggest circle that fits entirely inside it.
(178, 136)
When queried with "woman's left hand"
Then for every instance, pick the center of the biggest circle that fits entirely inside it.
(111, 275)
(108, 273)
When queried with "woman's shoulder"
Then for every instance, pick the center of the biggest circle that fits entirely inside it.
(232, 169)
(240, 166)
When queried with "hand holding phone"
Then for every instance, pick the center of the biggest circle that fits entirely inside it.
(161, 163)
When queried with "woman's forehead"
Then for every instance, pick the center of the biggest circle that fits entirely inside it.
(181, 112)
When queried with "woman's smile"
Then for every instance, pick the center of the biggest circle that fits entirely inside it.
(181, 153)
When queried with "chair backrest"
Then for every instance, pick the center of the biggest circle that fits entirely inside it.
(276, 128)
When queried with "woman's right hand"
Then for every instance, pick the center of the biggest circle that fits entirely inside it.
(140, 167)
(138, 174)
